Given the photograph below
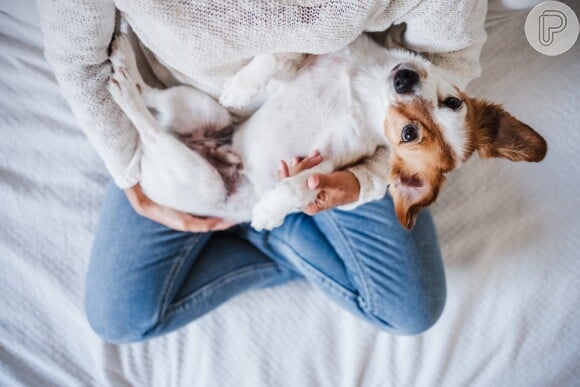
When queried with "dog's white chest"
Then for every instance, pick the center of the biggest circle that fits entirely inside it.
(313, 112)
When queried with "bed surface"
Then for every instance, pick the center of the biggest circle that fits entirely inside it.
(510, 234)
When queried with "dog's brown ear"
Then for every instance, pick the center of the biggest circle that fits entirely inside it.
(410, 193)
(496, 133)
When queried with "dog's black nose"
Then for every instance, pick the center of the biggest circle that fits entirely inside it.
(405, 80)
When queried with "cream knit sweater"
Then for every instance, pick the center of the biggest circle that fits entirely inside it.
(204, 42)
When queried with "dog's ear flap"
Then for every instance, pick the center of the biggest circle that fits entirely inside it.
(410, 194)
(496, 133)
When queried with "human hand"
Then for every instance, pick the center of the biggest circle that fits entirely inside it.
(336, 189)
(169, 217)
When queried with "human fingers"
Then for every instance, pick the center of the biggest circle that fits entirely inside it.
(180, 221)
(336, 189)
(176, 220)
(283, 171)
(200, 224)
(321, 181)
(305, 163)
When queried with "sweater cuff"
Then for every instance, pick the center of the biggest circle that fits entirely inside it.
(132, 174)
(372, 187)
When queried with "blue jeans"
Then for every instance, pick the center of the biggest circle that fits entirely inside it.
(145, 280)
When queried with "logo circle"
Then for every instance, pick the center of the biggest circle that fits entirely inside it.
(552, 28)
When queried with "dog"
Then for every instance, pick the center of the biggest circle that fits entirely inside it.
(344, 104)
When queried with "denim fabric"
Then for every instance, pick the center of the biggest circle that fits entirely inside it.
(145, 280)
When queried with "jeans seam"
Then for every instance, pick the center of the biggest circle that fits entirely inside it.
(368, 300)
(186, 302)
(174, 270)
(331, 285)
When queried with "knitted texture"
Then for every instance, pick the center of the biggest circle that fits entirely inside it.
(203, 43)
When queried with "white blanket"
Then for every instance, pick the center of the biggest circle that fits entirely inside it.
(510, 234)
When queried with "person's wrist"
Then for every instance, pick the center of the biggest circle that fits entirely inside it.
(353, 184)
(137, 198)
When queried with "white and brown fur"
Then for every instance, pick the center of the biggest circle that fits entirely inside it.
(343, 104)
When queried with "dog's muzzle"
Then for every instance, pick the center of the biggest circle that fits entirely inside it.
(405, 80)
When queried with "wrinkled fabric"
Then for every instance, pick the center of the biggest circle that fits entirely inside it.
(508, 233)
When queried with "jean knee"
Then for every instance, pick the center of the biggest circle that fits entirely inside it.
(113, 320)
(422, 317)
(415, 314)
(114, 312)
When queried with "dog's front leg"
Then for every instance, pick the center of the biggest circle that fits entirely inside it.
(289, 195)
(251, 81)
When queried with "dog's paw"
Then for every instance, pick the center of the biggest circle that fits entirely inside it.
(123, 89)
(239, 92)
(119, 84)
(121, 51)
(271, 210)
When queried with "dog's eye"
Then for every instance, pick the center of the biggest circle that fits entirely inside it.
(409, 133)
(453, 103)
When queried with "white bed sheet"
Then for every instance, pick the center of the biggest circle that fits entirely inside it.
(510, 235)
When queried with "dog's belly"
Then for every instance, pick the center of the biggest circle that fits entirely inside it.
(214, 145)
(312, 112)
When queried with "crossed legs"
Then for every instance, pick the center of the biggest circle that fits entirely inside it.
(145, 280)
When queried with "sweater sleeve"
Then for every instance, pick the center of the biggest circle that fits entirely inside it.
(372, 175)
(77, 34)
(450, 33)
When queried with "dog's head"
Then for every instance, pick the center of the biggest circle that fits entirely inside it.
(432, 127)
